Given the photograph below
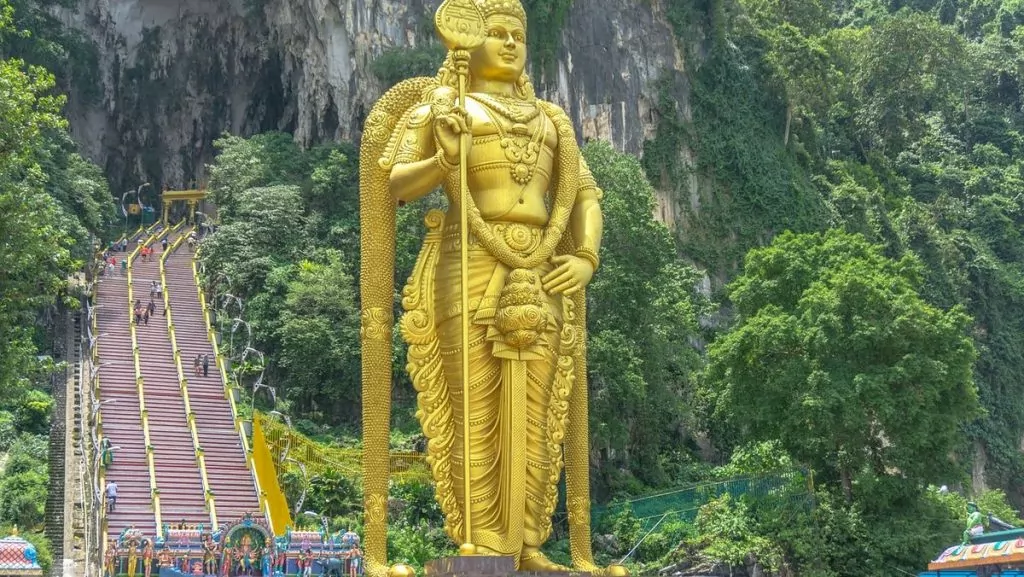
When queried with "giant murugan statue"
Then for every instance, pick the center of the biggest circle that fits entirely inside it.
(495, 307)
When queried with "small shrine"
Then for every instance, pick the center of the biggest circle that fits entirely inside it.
(18, 557)
(981, 553)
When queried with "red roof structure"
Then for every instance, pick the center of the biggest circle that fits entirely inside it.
(18, 557)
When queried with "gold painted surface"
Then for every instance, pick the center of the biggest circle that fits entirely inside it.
(286, 446)
(263, 466)
(510, 388)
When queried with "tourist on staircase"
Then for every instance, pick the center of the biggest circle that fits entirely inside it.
(111, 495)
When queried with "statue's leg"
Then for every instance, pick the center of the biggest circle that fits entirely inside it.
(487, 467)
(496, 526)
(538, 455)
(545, 413)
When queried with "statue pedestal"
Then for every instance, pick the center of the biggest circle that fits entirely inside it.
(474, 566)
(486, 566)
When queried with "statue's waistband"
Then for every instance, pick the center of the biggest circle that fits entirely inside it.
(520, 237)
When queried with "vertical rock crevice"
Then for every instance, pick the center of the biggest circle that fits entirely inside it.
(175, 75)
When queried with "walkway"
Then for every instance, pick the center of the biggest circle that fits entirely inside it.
(178, 476)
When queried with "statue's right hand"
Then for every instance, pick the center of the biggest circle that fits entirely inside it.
(448, 130)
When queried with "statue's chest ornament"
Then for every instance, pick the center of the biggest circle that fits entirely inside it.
(522, 149)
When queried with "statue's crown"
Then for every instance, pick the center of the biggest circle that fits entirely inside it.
(512, 8)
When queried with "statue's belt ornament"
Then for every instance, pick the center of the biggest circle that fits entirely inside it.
(518, 237)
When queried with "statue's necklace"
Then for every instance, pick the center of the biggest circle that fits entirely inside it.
(520, 149)
(510, 107)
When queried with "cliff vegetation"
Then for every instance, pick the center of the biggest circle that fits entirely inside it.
(839, 302)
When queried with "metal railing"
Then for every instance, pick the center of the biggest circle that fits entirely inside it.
(229, 395)
(287, 444)
(140, 386)
(208, 498)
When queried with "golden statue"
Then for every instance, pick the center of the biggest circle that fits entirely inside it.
(521, 194)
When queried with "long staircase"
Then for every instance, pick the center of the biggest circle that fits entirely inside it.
(182, 498)
(196, 461)
(227, 472)
(121, 410)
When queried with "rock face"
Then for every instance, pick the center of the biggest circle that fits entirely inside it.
(174, 75)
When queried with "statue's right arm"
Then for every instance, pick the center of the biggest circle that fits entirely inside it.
(416, 171)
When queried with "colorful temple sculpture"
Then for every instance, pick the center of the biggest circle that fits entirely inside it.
(981, 554)
(18, 557)
(245, 547)
(186, 491)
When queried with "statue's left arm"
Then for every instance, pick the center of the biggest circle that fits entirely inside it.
(586, 226)
(586, 223)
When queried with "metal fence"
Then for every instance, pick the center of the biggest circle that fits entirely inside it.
(288, 445)
(778, 489)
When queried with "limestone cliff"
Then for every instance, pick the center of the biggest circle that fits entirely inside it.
(174, 75)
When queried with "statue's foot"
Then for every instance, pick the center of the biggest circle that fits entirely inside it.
(481, 550)
(533, 560)
(616, 571)
(401, 570)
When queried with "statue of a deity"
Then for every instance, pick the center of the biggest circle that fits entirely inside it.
(110, 561)
(147, 558)
(495, 306)
(975, 523)
(133, 555)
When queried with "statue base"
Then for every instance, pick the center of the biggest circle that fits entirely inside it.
(486, 566)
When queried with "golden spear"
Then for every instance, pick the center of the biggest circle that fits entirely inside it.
(460, 25)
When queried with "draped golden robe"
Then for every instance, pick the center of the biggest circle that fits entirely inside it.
(527, 348)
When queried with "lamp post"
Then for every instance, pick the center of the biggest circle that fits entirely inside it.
(306, 480)
(323, 524)
(288, 438)
(124, 198)
(96, 368)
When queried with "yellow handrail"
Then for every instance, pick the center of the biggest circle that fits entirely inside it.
(318, 458)
(230, 397)
(140, 387)
(183, 383)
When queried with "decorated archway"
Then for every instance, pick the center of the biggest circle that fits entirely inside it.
(247, 546)
(191, 197)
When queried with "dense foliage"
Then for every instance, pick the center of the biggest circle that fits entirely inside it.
(858, 168)
(53, 204)
(897, 126)
(836, 355)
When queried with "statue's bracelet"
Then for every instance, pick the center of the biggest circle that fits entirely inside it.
(442, 161)
(588, 255)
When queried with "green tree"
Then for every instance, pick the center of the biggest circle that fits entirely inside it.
(908, 66)
(642, 311)
(264, 230)
(835, 354)
(319, 334)
(271, 158)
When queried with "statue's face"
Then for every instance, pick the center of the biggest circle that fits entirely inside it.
(502, 56)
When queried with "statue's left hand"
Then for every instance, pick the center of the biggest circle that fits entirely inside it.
(571, 273)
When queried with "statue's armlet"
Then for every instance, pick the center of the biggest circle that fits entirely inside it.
(588, 185)
(413, 140)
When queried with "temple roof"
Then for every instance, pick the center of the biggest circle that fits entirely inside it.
(18, 556)
(1009, 553)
